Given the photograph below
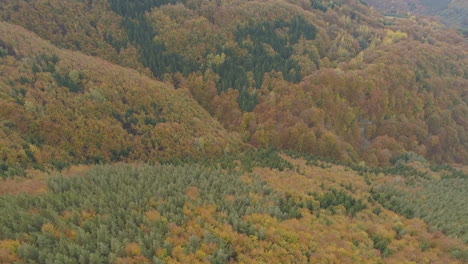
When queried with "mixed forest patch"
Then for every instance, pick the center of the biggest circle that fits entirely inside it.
(200, 131)
(60, 108)
(328, 78)
(215, 213)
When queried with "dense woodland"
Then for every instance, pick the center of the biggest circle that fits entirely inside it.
(202, 131)
(259, 206)
(333, 79)
(65, 108)
(450, 12)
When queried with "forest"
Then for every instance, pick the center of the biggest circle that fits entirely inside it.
(222, 131)
(333, 79)
(241, 208)
(450, 12)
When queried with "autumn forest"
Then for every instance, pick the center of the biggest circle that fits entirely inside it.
(222, 131)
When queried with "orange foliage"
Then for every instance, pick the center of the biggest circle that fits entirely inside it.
(132, 249)
(133, 260)
(192, 193)
(8, 250)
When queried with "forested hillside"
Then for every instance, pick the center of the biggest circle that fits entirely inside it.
(59, 108)
(233, 131)
(88, 26)
(256, 207)
(329, 78)
(451, 12)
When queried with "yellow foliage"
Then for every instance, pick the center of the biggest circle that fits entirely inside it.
(36, 153)
(161, 253)
(217, 59)
(67, 214)
(10, 245)
(394, 36)
(200, 255)
(48, 228)
(71, 234)
(86, 215)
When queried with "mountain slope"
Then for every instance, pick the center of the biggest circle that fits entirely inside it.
(87, 26)
(330, 78)
(450, 12)
(62, 107)
(360, 105)
(277, 209)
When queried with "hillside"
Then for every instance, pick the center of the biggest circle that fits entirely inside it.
(233, 131)
(87, 26)
(451, 12)
(259, 207)
(334, 79)
(59, 107)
